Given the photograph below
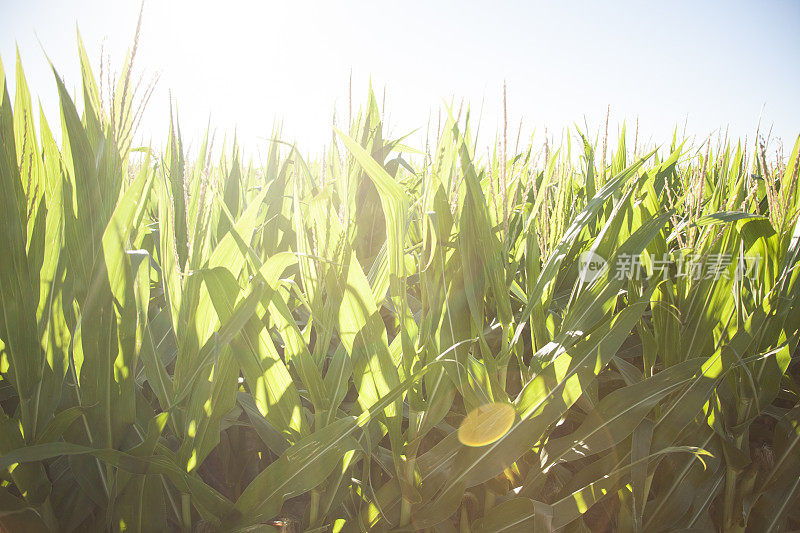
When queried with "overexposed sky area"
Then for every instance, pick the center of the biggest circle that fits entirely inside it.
(710, 65)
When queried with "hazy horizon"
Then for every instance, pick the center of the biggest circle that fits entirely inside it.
(244, 66)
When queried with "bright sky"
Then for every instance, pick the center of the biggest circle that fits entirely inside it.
(246, 64)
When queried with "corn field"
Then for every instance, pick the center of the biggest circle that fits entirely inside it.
(390, 337)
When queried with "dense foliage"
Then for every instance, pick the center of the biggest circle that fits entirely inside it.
(200, 346)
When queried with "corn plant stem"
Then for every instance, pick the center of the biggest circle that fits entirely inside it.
(729, 502)
(463, 523)
(410, 466)
(186, 512)
(87, 430)
(489, 500)
(732, 521)
(34, 413)
(313, 515)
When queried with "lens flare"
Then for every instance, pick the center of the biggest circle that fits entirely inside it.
(486, 424)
